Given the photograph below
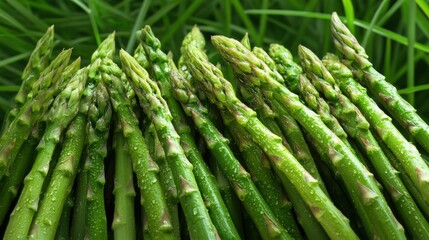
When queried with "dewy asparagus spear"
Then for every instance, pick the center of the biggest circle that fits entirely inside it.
(410, 158)
(205, 180)
(299, 84)
(123, 225)
(38, 61)
(11, 184)
(62, 112)
(48, 215)
(99, 116)
(146, 170)
(221, 93)
(358, 128)
(40, 98)
(400, 109)
(262, 175)
(197, 217)
(265, 221)
(165, 176)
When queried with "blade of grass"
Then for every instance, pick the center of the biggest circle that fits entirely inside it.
(388, 58)
(365, 25)
(246, 20)
(414, 89)
(424, 6)
(390, 13)
(176, 25)
(410, 48)
(9, 88)
(374, 20)
(138, 24)
(91, 16)
(350, 14)
(13, 59)
(227, 6)
(262, 22)
(162, 12)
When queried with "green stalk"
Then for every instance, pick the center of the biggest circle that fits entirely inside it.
(99, 116)
(39, 100)
(11, 183)
(358, 128)
(124, 225)
(298, 83)
(165, 176)
(260, 169)
(38, 61)
(199, 223)
(204, 178)
(258, 74)
(78, 221)
(264, 219)
(384, 91)
(48, 215)
(146, 170)
(232, 203)
(63, 231)
(62, 112)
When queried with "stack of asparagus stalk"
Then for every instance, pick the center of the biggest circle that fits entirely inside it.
(154, 149)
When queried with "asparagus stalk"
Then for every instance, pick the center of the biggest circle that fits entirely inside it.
(62, 112)
(39, 60)
(153, 201)
(357, 179)
(308, 222)
(206, 183)
(299, 84)
(165, 176)
(260, 170)
(78, 221)
(414, 165)
(358, 127)
(11, 184)
(293, 134)
(197, 217)
(265, 221)
(39, 100)
(48, 215)
(231, 200)
(363, 69)
(63, 231)
(124, 226)
(99, 116)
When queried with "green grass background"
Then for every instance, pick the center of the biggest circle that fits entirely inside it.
(394, 33)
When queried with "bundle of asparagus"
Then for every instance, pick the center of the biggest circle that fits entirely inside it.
(281, 150)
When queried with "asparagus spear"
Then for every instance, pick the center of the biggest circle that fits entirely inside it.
(153, 201)
(62, 112)
(259, 167)
(39, 100)
(78, 221)
(414, 165)
(399, 108)
(299, 84)
(48, 215)
(123, 220)
(99, 116)
(197, 217)
(265, 221)
(11, 184)
(204, 178)
(165, 176)
(63, 231)
(358, 128)
(38, 61)
(357, 179)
